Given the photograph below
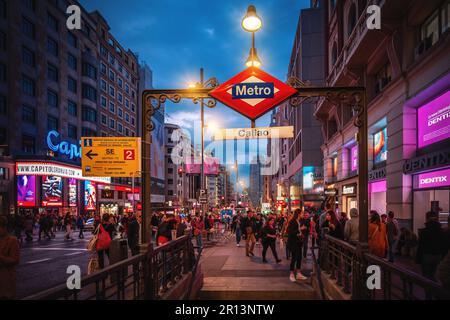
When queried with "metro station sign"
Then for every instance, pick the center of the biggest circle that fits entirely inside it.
(252, 93)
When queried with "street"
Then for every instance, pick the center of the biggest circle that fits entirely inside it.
(43, 264)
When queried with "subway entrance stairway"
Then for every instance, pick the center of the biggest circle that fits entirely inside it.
(230, 275)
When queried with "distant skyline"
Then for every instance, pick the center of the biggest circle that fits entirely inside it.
(177, 38)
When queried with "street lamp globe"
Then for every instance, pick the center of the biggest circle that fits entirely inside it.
(251, 21)
(253, 59)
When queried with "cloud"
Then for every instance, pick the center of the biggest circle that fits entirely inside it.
(210, 32)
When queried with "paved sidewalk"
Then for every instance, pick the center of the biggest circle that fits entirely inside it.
(230, 274)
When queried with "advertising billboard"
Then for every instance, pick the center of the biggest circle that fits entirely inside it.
(72, 193)
(354, 158)
(26, 191)
(380, 146)
(435, 179)
(52, 189)
(433, 121)
(90, 195)
(312, 180)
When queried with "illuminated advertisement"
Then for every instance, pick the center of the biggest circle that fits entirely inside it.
(380, 146)
(308, 178)
(72, 193)
(26, 191)
(52, 187)
(312, 180)
(90, 195)
(435, 179)
(433, 121)
(354, 158)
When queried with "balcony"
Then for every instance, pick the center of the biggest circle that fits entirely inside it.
(362, 42)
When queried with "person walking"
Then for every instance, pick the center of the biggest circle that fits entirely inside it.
(295, 246)
(9, 259)
(68, 226)
(237, 222)
(249, 229)
(198, 227)
(392, 234)
(104, 226)
(80, 226)
(269, 237)
(351, 229)
(133, 235)
(305, 223)
(377, 236)
(28, 227)
(432, 245)
(208, 227)
(259, 228)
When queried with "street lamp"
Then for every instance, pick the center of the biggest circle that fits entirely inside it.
(252, 23)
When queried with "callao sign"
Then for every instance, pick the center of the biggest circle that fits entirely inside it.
(252, 92)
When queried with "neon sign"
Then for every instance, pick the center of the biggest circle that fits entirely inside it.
(63, 147)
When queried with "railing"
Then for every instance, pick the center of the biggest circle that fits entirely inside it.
(345, 264)
(318, 273)
(144, 276)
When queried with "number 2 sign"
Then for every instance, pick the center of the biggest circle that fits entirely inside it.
(129, 154)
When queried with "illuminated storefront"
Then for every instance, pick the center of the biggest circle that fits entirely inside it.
(56, 187)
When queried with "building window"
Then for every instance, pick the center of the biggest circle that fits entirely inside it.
(72, 39)
(112, 60)
(112, 75)
(28, 28)
(52, 98)
(127, 103)
(28, 144)
(119, 127)
(112, 91)
(170, 170)
(127, 88)
(72, 108)
(89, 71)
(169, 181)
(133, 107)
(72, 131)
(351, 21)
(4, 174)
(72, 61)
(103, 51)
(30, 4)
(28, 114)
(133, 94)
(120, 112)
(102, 68)
(52, 22)
(127, 133)
(86, 132)
(72, 85)
(112, 123)
(103, 85)
(2, 72)
(52, 72)
(104, 119)
(28, 86)
(89, 92)
(382, 78)
(2, 41)
(52, 47)
(127, 117)
(89, 114)
(28, 57)
(119, 97)
(103, 102)
(132, 121)
(3, 106)
(52, 123)
(112, 107)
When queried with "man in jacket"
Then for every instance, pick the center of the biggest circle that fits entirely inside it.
(133, 235)
(351, 229)
(9, 259)
(392, 234)
(248, 226)
(431, 246)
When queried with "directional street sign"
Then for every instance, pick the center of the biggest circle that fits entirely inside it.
(254, 133)
(110, 156)
(252, 92)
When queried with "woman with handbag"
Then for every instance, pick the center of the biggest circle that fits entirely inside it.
(105, 233)
(295, 243)
(269, 238)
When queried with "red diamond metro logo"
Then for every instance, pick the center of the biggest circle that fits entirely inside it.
(252, 92)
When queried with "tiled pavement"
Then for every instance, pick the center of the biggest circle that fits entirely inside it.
(230, 274)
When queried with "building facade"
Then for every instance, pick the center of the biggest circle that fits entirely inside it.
(50, 96)
(405, 69)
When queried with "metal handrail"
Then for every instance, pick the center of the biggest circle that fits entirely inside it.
(318, 274)
(342, 258)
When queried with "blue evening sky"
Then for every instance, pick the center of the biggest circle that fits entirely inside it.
(178, 37)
